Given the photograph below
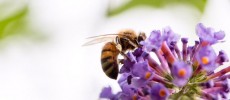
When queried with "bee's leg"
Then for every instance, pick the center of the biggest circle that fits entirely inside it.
(120, 61)
(119, 47)
(121, 52)
(124, 55)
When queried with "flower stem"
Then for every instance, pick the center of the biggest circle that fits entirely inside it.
(168, 54)
(220, 73)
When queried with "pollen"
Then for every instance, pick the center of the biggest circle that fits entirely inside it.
(182, 72)
(162, 93)
(147, 75)
(205, 60)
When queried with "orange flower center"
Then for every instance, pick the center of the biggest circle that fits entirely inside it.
(182, 72)
(147, 75)
(204, 43)
(205, 60)
(162, 93)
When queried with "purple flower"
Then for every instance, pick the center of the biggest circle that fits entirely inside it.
(170, 37)
(128, 63)
(206, 57)
(125, 78)
(126, 67)
(136, 82)
(139, 82)
(207, 34)
(142, 70)
(153, 42)
(128, 92)
(159, 92)
(138, 52)
(181, 73)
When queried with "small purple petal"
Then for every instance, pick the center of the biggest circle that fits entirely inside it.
(123, 78)
(140, 69)
(131, 57)
(138, 52)
(208, 34)
(138, 82)
(128, 92)
(169, 36)
(153, 42)
(128, 63)
(126, 67)
(219, 35)
(106, 93)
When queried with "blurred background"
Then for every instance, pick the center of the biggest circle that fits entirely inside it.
(41, 53)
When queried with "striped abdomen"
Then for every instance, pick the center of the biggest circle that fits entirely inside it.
(109, 64)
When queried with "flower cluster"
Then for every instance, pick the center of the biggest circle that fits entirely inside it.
(185, 74)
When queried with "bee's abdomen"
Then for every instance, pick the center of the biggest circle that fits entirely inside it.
(109, 60)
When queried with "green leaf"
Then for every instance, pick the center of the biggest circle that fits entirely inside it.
(13, 24)
(18, 24)
(199, 4)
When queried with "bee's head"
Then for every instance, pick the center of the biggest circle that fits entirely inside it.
(129, 40)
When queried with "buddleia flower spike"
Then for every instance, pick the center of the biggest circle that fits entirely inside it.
(181, 74)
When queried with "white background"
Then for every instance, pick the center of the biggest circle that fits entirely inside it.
(61, 69)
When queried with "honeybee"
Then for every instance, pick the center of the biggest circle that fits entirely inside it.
(123, 41)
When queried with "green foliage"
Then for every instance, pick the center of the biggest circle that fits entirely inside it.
(17, 24)
(14, 25)
(199, 4)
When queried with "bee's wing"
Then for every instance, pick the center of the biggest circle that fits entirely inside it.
(100, 39)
